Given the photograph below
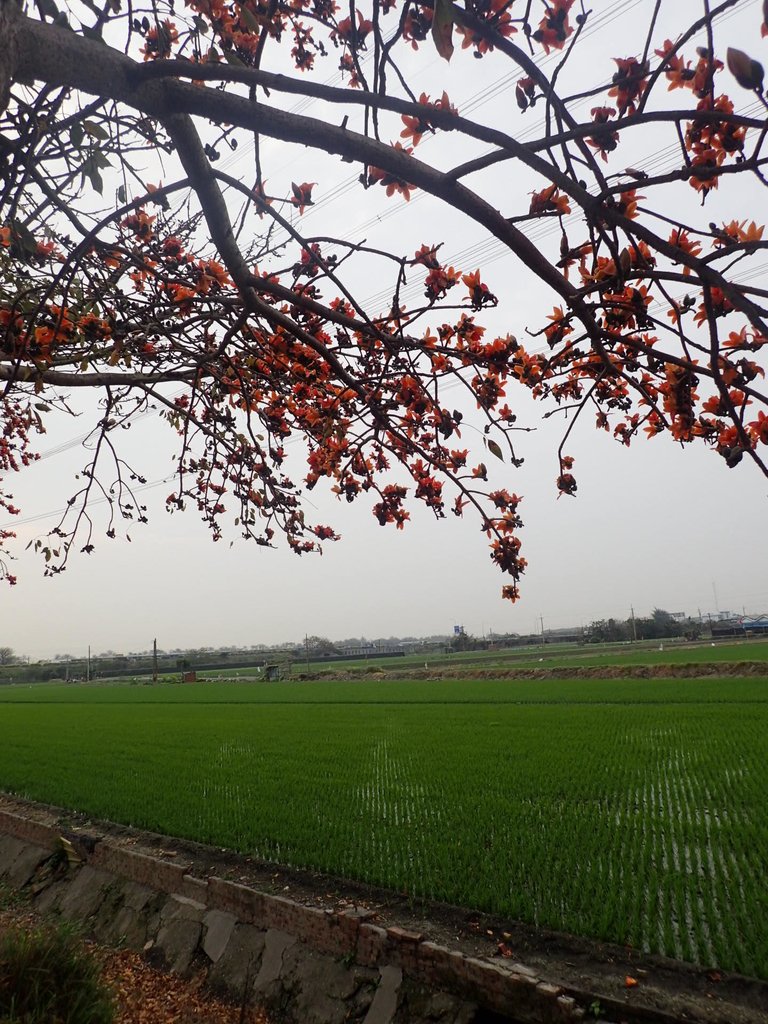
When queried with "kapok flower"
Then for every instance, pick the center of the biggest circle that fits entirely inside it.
(348, 32)
(629, 83)
(677, 69)
(549, 200)
(159, 39)
(554, 28)
(758, 429)
(390, 181)
(302, 194)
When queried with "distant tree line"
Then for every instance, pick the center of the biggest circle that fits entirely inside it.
(660, 625)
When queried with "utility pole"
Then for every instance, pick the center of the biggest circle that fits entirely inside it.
(306, 649)
(541, 620)
(154, 660)
(88, 666)
(634, 624)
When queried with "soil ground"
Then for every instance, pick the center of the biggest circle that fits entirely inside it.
(694, 670)
(593, 971)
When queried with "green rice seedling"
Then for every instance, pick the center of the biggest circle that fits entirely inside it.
(627, 810)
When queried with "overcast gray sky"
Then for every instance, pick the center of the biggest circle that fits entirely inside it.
(651, 526)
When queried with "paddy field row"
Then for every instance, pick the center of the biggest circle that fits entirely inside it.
(627, 810)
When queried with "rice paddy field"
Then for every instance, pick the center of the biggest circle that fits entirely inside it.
(627, 810)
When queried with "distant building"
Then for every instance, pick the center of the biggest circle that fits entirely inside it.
(741, 626)
(755, 624)
(369, 650)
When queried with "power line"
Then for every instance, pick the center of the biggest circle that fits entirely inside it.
(475, 101)
(489, 249)
(12, 523)
(479, 99)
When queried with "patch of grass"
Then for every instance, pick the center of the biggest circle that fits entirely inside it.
(47, 975)
(11, 899)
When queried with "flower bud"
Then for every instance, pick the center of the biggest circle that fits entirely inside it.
(747, 72)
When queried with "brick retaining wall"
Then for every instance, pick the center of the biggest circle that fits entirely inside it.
(509, 989)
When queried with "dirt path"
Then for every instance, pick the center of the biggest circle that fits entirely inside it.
(692, 670)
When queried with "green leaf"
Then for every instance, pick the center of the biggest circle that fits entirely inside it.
(121, 197)
(494, 449)
(92, 172)
(232, 58)
(442, 28)
(96, 131)
(76, 135)
(248, 19)
(23, 237)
